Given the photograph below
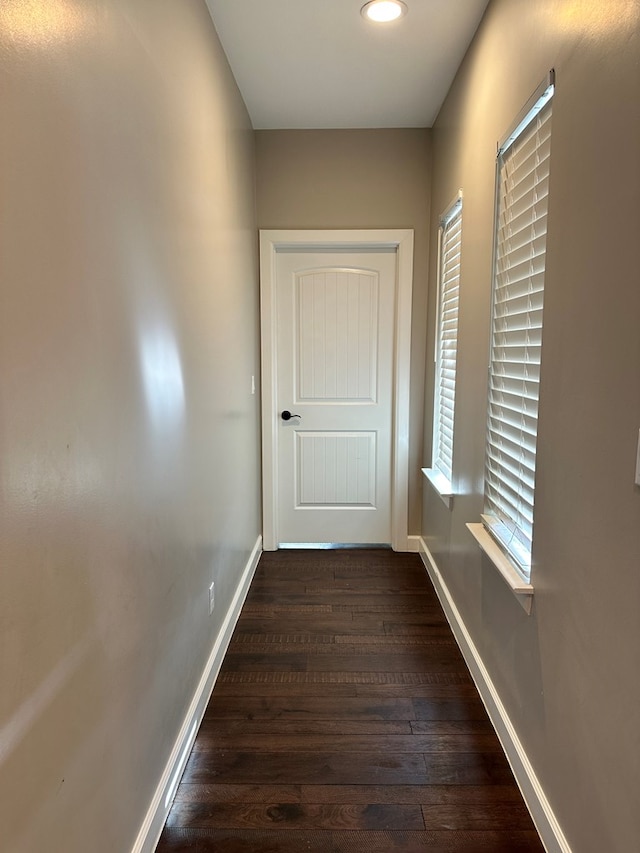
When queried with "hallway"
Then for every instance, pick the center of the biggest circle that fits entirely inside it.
(344, 719)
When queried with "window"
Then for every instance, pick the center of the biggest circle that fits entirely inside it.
(450, 244)
(516, 331)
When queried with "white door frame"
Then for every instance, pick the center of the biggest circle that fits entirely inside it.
(271, 242)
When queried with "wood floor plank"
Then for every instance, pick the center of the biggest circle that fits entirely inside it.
(215, 728)
(292, 816)
(250, 609)
(343, 599)
(360, 768)
(439, 660)
(270, 661)
(476, 796)
(326, 623)
(397, 583)
(450, 841)
(427, 691)
(337, 816)
(333, 708)
(413, 625)
(392, 744)
(215, 793)
(390, 678)
(344, 720)
(480, 796)
(280, 639)
(381, 644)
(272, 689)
(308, 767)
(185, 840)
(386, 605)
(373, 569)
(287, 574)
(440, 637)
(477, 816)
(468, 707)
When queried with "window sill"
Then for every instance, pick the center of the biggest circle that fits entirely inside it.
(441, 485)
(522, 590)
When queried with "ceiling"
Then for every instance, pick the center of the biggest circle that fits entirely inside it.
(319, 64)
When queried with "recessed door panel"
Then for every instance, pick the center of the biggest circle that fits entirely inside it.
(336, 469)
(337, 335)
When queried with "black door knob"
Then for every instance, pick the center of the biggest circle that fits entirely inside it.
(287, 415)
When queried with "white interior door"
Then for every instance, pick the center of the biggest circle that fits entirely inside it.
(335, 321)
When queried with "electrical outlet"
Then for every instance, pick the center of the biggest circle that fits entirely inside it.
(212, 597)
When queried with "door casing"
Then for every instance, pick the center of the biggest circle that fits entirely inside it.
(272, 241)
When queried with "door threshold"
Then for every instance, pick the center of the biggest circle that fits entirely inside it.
(328, 546)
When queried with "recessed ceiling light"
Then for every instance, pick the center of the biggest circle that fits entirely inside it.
(383, 11)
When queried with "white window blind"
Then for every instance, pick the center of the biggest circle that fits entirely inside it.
(516, 335)
(447, 339)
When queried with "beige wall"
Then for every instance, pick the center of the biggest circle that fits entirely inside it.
(568, 674)
(129, 438)
(356, 179)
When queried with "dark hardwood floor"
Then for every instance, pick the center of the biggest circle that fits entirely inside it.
(344, 720)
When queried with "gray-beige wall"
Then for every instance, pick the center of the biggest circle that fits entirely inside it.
(567, 674)
(357, 179)
(129, 445)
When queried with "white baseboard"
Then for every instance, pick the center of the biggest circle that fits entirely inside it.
(543, 817)
(156, 816)
(413, 544)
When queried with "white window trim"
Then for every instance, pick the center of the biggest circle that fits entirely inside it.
(438, 479)
(441, 485)
(520, 588)
(518, 580)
